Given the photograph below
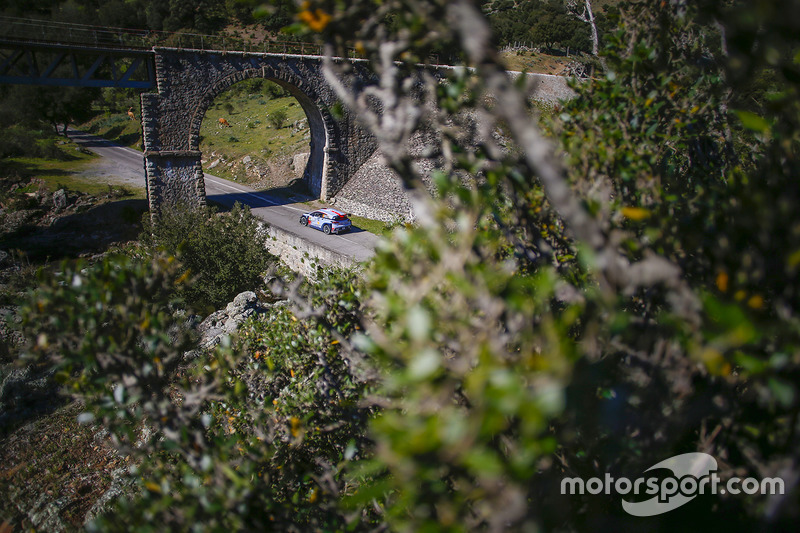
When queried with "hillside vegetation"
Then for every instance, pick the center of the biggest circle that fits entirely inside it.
(595, 293)
(263, 123)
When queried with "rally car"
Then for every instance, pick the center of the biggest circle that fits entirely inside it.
(326, 220)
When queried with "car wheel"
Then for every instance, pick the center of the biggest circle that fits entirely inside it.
(326, 229)
(304, 221)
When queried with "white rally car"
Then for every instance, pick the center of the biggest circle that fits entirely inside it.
(326, 220)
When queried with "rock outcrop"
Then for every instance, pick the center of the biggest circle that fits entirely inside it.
(226, 321)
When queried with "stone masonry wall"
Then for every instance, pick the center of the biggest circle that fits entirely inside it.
(302, 256)
(344, 166)
(375, 191)
(187, 83)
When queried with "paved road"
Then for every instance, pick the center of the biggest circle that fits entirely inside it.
(273, 209)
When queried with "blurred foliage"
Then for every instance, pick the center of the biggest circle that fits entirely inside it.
(492, 304)
(112, 332)
(632, 298)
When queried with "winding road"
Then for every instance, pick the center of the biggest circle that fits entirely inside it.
(273, 209)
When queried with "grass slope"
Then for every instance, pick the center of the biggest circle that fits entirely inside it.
(63, 173)
(117, 127)
(537, 62)
(251, 108)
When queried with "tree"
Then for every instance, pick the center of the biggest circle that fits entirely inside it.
(63, 106)
(120, 14)
(54, 106)
(584, 14)
(552, 26)
(278, 118)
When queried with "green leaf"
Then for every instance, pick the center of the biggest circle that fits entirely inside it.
(782, 391)
(753, 122)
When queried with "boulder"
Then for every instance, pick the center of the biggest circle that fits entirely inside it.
(298, 164)
(60, 199)
(226, 321)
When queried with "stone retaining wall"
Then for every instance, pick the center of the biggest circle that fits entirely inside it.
(375, 191)
(302, 256)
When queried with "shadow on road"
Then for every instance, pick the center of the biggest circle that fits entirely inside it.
(292, 193)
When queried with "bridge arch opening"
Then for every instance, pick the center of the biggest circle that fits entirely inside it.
(274, 133)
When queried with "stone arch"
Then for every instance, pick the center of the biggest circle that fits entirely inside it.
(187, 83)
(319, 120)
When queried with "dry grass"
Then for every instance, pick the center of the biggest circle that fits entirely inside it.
(54, 459)
(537, 62)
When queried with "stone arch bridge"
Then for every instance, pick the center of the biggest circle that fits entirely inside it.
(183, 78)
(187, 81)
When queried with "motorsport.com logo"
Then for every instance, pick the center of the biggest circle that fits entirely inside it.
(693, 474)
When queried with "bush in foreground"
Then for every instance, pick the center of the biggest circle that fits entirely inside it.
(540, 322)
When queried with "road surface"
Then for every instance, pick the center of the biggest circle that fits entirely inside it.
(273, 209)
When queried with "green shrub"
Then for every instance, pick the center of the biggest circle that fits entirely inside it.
(277, 118)
(253, 436)
(18, 141)
(273, 90)
(224, 253)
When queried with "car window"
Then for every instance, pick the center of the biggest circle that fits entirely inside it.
(315, 214)
(339, 218)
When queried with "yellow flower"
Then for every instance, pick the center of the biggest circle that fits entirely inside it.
(722, 281)
(756, 302)
(295, 422)
(317, 20)
(715, 362)
(635, 213)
